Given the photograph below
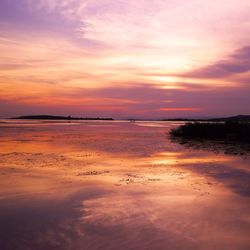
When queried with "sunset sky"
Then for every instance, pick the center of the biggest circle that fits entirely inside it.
(125, 58)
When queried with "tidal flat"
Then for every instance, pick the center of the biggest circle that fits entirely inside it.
(118, 185)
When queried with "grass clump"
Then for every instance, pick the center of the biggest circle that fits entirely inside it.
(227, 131)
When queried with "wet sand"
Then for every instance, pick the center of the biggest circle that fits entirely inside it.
(118, 185)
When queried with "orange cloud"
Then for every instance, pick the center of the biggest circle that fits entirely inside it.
(181, 109)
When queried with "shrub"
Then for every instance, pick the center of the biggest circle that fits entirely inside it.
(232, 131)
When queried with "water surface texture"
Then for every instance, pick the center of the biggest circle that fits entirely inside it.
(117, 185)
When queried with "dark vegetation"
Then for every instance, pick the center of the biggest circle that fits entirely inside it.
(230, 137)
(52, 117)
(229, 130)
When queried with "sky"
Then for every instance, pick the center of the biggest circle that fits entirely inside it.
(125, 58)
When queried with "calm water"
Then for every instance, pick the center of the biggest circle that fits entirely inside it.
(117, 185)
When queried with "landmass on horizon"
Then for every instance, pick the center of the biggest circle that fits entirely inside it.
(55, 117)
(231, 118)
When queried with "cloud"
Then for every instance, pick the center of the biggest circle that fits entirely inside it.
(102, 57)
(138, 100)
(181, 109)
(237, 63)
(13, 66)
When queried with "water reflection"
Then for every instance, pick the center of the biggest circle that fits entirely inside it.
(118, 186)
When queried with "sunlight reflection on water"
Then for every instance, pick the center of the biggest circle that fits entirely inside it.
(118, 185)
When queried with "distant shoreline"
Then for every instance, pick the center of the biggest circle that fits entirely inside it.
(52, 117)
(70, 118)
(232, 118)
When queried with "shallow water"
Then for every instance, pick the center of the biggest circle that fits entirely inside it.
(117, 185)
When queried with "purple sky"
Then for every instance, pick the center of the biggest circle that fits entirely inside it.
(124, 58)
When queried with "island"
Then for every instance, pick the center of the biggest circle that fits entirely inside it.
(55, 117)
